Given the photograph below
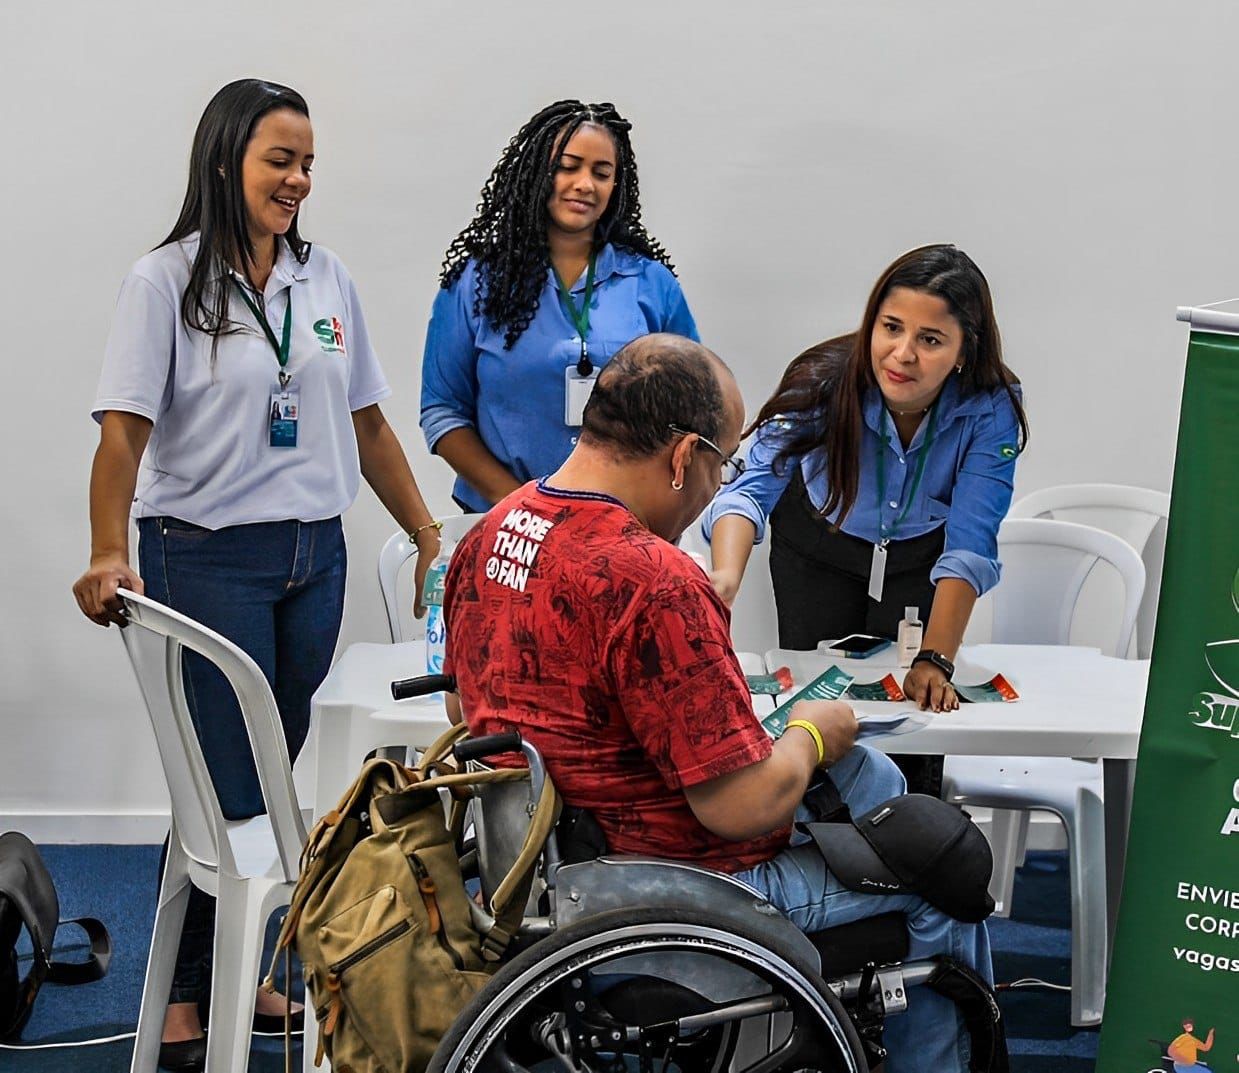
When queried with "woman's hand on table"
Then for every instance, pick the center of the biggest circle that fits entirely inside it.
(927, 684)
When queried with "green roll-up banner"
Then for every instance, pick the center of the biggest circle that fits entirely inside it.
(1172, 1000)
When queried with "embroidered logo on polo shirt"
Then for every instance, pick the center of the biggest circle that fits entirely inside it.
(1007, 450)
(330, 334)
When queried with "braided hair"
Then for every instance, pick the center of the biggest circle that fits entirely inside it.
(507, 237)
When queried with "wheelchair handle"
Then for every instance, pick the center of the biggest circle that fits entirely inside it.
(510, 742)
(477, 748)
(422, 686)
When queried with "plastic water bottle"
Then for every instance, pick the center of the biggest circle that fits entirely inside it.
(432, 597)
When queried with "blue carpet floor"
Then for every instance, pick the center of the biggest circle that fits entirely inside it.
(117, 884)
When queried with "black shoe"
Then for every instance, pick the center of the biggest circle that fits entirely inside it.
(274, 1022)
(186, 1056)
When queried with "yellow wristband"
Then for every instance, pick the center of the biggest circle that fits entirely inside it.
(814, 733)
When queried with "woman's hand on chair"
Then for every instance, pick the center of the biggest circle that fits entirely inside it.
(95, 590)
(927, 684)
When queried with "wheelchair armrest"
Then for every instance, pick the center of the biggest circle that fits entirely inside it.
(846, 948)
(592, 887)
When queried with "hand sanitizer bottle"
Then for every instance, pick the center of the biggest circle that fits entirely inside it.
(910, 633)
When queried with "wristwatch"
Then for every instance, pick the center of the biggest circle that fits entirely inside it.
(928, 655)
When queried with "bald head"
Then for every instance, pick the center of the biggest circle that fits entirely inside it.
(653, 383)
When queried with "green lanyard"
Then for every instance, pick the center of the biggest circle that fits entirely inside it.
(886, 534)
(280, 348)
(580, 318)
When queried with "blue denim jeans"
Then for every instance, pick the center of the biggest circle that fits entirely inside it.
(276, 590)
(930, 1034)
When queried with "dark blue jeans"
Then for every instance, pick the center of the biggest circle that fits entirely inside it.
(276, 590)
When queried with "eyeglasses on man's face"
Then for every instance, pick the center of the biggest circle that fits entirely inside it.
(732, 466)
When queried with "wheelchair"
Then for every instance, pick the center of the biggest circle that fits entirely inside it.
(641, 965)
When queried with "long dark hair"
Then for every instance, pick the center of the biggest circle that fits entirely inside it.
(214, 204)
(507, 237)
(825, 386)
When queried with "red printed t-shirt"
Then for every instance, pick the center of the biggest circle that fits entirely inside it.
(607, 648)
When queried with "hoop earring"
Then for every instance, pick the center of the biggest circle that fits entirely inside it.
(677, 486)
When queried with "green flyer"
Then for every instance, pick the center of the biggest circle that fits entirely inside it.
(1174, 974)
(779, 681)
(996, 690)
(886, 689)
(829, 685)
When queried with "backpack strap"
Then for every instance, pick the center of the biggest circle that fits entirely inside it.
(975, 1000)
(824, 801)
(507, 904)
(95, 967)
(440, 749)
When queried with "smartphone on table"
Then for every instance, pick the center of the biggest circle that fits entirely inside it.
(855, 646)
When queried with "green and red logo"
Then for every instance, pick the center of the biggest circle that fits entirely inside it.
(330, 334)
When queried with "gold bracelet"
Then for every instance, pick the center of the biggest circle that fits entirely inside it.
(814, 733)
(433, 524)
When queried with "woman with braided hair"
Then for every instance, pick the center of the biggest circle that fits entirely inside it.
(554, 274)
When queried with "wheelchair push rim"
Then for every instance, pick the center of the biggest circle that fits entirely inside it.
(536, 1001)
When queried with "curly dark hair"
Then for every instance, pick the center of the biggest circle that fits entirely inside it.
(507, 237)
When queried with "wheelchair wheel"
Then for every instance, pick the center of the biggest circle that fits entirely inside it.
(653, 991)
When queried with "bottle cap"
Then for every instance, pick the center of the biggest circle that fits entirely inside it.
(911, 613)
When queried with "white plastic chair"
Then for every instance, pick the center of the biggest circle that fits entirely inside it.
(250, 866)
(1138, 515)
(398, 550)
(1045, 566)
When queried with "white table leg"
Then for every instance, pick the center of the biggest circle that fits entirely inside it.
(1118, 779)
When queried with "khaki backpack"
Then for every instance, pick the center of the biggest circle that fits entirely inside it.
(380, 917)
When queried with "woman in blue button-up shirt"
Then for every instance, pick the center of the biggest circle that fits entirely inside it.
(893, 446)
(555, 274)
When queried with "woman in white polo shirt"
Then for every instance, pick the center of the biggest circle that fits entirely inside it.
(238, 408)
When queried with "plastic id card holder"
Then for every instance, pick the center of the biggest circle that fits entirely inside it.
(285, 413)
(577, 389)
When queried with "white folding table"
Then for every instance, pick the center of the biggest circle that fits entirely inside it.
(1074, 702)
(352, 714)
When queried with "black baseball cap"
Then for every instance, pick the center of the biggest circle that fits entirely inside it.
(913, 844)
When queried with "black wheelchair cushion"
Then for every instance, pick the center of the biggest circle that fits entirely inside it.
(849, 947)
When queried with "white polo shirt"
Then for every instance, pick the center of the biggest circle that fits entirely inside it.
(209, 460)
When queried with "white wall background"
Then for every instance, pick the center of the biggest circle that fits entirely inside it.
(1081, 152)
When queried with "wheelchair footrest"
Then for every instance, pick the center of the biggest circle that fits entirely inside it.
(882, 940)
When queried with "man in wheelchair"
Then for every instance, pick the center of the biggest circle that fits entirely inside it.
(575, 620)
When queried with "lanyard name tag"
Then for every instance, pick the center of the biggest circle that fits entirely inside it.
(877, 572)
(577, 389)
(284, 414)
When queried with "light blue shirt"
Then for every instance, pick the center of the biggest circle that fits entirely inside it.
(209, 460)
(966, 484)
(515, 398)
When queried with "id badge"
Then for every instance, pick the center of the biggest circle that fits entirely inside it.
(877, 572)
(284, 415)
(577, 389)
